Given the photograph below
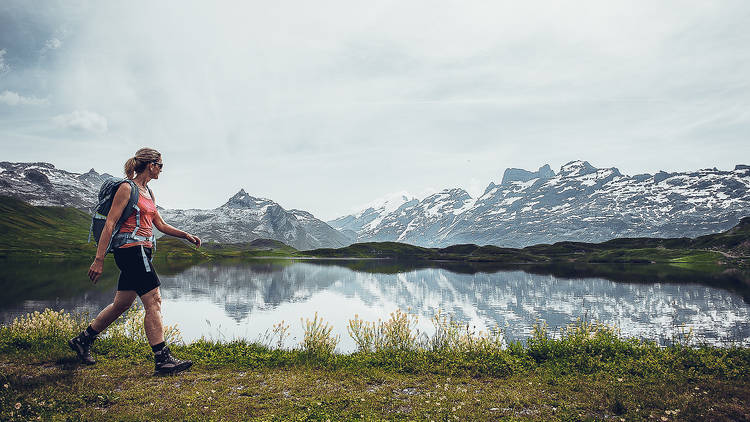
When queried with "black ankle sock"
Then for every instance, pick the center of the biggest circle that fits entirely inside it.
(88, 335)
(158, 347)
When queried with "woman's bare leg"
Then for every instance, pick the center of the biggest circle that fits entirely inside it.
(152, 321)
(121, 303)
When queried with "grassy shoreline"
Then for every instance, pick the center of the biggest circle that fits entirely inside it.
(62, 232)
(588, 372)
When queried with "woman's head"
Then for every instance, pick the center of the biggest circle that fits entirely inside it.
(145, 159)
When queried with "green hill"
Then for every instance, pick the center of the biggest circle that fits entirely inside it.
(173, 248)
(735, 241)
(48, 231)
(390, 250)
(711, 253)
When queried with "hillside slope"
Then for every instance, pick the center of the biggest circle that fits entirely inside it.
(48, 231)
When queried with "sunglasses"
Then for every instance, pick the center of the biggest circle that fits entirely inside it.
(161, 165)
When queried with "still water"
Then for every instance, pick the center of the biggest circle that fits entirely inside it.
(224, 301)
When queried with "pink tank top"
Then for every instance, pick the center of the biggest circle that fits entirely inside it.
(148, 212)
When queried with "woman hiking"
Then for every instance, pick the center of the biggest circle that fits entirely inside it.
(132, 250)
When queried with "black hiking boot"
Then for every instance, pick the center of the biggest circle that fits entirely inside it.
(81, 344)
(168, 364)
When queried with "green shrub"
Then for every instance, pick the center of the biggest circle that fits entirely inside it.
(584, 346)
(454, 337)
(363, 333)
(41, 330)
(397, 333)
(49, 331)
(275, 338)
(317, 339)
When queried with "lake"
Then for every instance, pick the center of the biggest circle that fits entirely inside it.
(228, 300)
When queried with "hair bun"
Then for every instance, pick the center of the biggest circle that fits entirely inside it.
(139, 161)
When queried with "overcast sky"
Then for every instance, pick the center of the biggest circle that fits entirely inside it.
(327, 105)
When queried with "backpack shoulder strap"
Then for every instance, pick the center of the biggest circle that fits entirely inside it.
(133, 193)
(132, 201)
(133, 188)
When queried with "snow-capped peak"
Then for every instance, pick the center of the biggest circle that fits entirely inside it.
(576, 168)
(521, 175)
(448, 194)
(242, 199)
(454, 200)
(387, 203)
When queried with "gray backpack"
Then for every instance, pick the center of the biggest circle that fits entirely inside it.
(99, 214)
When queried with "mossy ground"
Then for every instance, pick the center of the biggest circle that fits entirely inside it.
(586, 373)
(124, 389)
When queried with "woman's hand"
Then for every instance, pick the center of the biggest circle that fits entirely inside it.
(96, 269)
(195, 240)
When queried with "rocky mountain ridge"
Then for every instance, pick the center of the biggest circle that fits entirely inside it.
(43, 184)
(245, 218)
(579, 203)
(372, 214)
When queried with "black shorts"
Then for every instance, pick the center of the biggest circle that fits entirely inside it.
(136, 271)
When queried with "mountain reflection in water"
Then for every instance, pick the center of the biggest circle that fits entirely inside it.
(243, 300)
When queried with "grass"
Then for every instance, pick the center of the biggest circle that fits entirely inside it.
(654, 255)
(42, 231)
(585, 372)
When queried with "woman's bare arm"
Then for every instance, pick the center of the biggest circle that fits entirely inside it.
(165, 228)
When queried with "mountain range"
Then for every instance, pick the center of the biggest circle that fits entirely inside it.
(580, 203)
(245, 218)
(242, 218)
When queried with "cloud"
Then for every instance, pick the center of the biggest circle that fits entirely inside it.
(53, 44)
(13, 99)
(83, 120)
(50, 44)
(4, 67)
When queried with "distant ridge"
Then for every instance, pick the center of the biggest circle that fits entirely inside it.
(245, 218)
(521, 175)
(578, 203)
